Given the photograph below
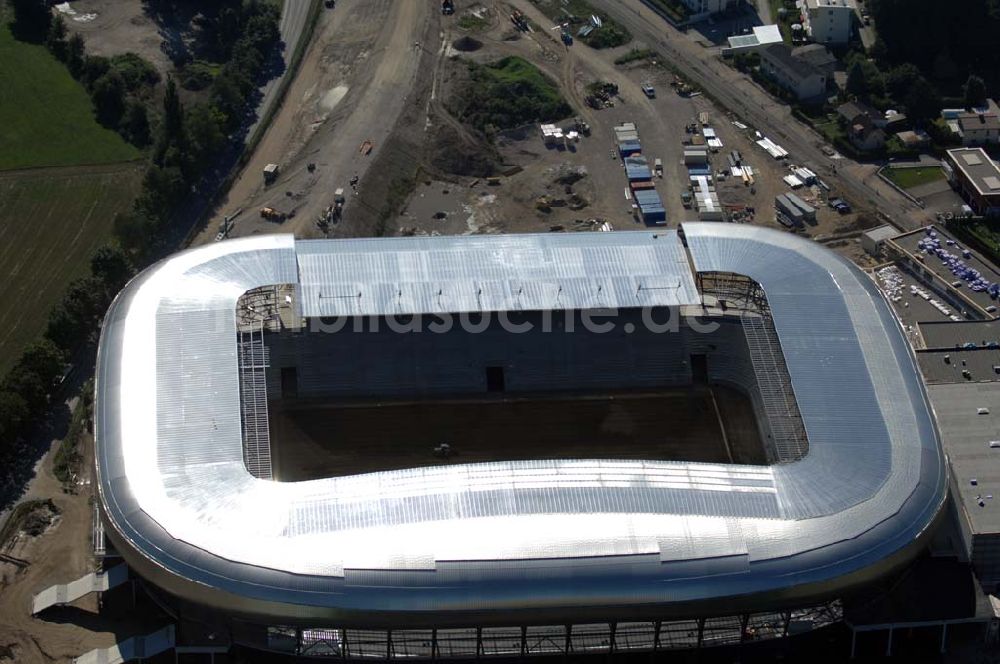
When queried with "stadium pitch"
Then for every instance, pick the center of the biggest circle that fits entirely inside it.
(323, 438)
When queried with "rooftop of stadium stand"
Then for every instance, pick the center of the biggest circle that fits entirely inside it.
(175, 487)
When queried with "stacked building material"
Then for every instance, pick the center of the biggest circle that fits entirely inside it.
(808, 211)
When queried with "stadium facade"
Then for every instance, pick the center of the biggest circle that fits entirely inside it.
(468, 560)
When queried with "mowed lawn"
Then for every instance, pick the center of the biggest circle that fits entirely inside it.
(908, 178)
(46, 118)
(51, 222)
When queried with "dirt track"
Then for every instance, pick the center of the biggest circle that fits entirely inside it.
(352, 86)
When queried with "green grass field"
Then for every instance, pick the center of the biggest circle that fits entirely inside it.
(46, 118)
(509, 93)
(907, 178)
(51, 221)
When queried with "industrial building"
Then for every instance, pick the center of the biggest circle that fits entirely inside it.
(976, 177)
(961, 364)
(516, 556)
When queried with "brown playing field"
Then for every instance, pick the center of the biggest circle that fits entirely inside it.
(311, 441)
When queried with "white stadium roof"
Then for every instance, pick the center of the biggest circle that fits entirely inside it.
(452, 544)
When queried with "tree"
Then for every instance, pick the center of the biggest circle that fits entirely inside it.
(31, 19)
(75, 53)
(206, 137)
(162, 187)
(975, 92)
(72, 322)
(13, 417)
(228, 98)
(172, 128)
(94, 67)
(135, 71)
(44, 359)
(112, 267)
(109, 99)
(135, 124)
(900, 79)
(173, 113)
(856, 83)
(135, 231)
(55, 41)
(30, 387)
(922, 101)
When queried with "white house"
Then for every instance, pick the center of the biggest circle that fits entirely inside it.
(828, 21)
(804, 80)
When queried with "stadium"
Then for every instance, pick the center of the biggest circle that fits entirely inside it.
(439, 447)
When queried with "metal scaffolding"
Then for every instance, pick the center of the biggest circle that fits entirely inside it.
(253, 364)
(788, 434)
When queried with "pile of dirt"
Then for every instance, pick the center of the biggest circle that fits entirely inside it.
(8, 653)
(467, 44)
(570, 175)
(459, 153)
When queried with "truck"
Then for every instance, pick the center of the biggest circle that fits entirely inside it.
(338, 202)
(658, 168)
(271, 214)
(270, 173)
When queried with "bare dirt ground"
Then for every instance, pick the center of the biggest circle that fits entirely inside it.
(59, 555)
(324, 440)
(353, 85)
(112, 27)
(401, 59)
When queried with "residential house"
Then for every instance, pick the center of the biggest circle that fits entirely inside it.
(802, 79)
(914, 140)
(865, 136)
(704, 8)
(818, 56)
(857, 111)
(828, 21)
(980, 128)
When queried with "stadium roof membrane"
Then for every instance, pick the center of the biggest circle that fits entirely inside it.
(521, 541)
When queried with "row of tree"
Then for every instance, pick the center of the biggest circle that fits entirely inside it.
(25, 390)
(946, 41)
(924, 56)
(185, 144)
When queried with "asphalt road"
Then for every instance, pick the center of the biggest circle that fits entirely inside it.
(734, 92)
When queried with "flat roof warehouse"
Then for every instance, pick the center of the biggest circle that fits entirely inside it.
(498, 543)
(978, 168)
